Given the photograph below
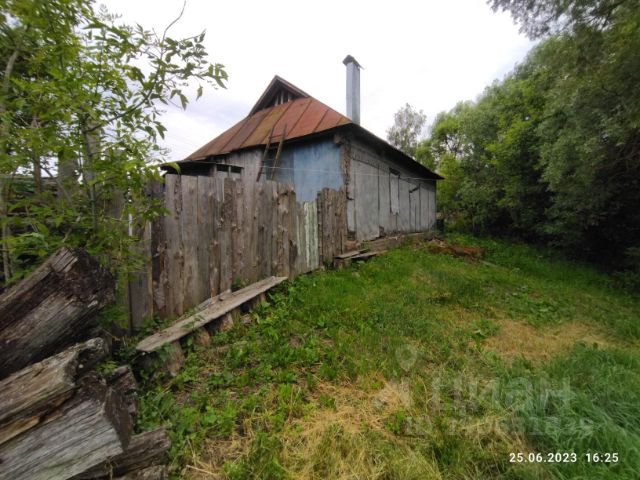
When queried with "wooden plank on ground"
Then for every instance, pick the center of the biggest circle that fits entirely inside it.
(367, 255)
(350, 254)
(224, 304)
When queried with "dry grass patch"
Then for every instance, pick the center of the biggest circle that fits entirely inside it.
(517, 339)
(355, 409)
(343, 437)
(339, 454)
(208, 463)
(349, 439)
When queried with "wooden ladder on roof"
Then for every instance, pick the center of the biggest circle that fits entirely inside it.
(265, 154)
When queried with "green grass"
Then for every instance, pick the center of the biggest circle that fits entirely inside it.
(385, 370)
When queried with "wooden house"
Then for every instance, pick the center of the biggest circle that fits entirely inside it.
(290, 137)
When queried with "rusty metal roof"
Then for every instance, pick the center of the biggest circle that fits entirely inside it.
(297, 118)
(294, 119)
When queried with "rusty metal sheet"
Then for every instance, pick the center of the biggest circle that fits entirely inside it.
(215, 146)
(309, 120)
(302, 116)
(261, 133)
(343, 121)
(245, 131)
(291, 117)
(330, 120)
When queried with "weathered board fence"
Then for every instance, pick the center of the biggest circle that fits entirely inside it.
(223, 232)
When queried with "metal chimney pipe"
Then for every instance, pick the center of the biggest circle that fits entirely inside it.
(353, 88)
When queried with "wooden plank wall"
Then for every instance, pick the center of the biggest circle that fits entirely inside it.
(332, 223)
(220, 232)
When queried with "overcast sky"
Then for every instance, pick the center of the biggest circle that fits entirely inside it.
(430, 54)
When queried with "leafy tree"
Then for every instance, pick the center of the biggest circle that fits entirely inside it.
(590, 139)
(544, 17)
(446, 137)
(407, 129)
(80, 106)
(552, 152)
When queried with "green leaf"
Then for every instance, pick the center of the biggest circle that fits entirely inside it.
(183, 100)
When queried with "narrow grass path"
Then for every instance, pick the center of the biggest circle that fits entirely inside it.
(417, 365)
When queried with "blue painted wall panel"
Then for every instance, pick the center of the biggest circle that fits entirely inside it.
(285, 168)
(310, 168)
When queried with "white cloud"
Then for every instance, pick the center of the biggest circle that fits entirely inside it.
(429, 54)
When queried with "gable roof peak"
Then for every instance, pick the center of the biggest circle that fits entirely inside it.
(278, 91)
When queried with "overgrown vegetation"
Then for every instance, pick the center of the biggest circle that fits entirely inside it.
(409, 366)
(551, 153)
(80, 103)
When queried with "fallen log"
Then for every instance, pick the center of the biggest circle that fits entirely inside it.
(81, 433)
(145, 450)
(123, 380)
(27, 395)
(52, 308)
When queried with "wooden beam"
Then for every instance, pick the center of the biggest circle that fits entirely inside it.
(27, 395)
(91, 426)
(350, 254)
(145, 450)
(217, 307)
(52, 308)
(123, 381)
(366, 255)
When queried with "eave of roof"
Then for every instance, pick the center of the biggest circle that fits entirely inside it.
(404, 159)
